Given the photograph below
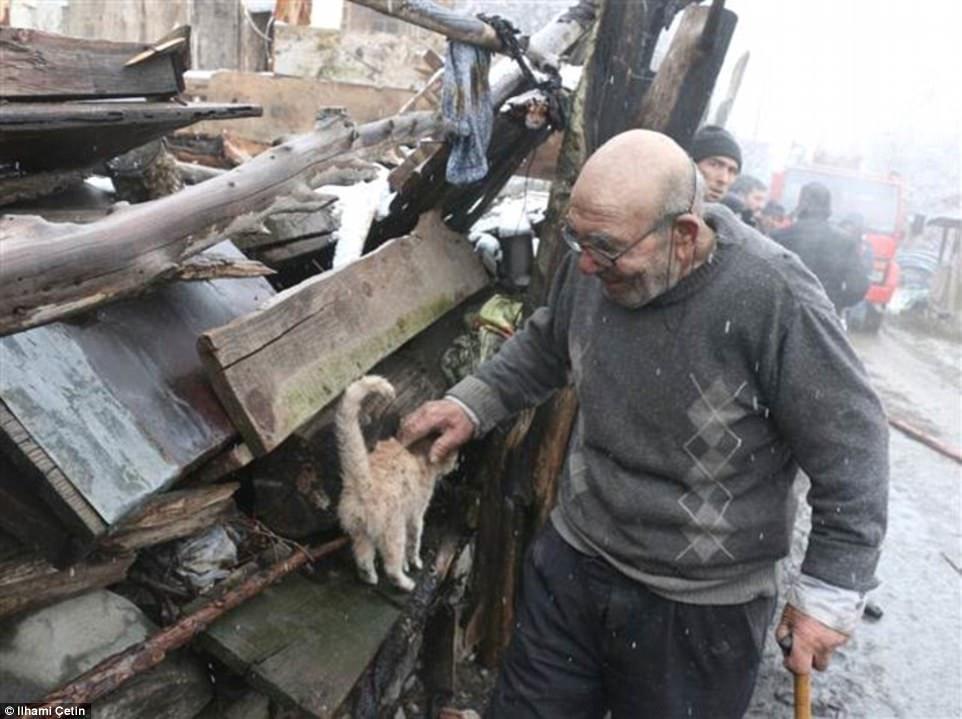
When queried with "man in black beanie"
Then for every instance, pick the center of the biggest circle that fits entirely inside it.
(718, 157)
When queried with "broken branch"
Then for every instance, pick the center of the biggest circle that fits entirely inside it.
(54, 271)
(440, 19)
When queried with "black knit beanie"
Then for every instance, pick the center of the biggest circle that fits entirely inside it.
(712, 140)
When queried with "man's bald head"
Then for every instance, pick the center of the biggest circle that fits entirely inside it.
(635, 217)
(635, 176)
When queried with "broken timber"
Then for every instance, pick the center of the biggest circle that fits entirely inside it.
(276, 368)
(116, 669)
(31, 582)
(63, 270)
(431, 16)
(39, 65)
(170, 516)
(47, 136)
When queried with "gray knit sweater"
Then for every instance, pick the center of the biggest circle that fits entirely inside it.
(695, 413)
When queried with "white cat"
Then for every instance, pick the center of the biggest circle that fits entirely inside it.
(385, 493)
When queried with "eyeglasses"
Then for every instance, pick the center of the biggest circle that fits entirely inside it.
(595, 244)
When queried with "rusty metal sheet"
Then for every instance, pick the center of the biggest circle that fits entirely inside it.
(118, 398)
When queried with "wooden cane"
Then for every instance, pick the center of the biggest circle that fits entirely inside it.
(803, 684)
(803, 696)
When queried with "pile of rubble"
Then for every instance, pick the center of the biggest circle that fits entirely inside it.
(172, 335)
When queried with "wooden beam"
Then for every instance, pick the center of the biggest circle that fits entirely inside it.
(60, 270)
(218, 267)
(66, 502)
(274, 369)
(39, 65)
(440, 19)
(32, 582)
(170, 516)
(679, 94)
(41, 136)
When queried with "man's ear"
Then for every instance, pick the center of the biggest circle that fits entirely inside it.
(685, 233)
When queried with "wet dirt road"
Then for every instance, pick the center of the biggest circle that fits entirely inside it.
(908, 663)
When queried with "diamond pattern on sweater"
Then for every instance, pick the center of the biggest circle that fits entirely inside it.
(711, 449)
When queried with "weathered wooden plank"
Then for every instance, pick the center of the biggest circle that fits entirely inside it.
(33, 582)
(211, 267)
(276, 368)
(304, 642)
(47, 136)
(117, 408)
(295, 250)
(39, 65)
(438, 18)
(218, 467)
(63, 497)
(172, 515)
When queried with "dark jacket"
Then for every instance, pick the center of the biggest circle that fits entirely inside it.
(834, 257)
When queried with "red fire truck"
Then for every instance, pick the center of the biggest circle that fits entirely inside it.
(878, 201)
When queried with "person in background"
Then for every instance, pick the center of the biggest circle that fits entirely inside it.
(833, 256)
(718, 158)
(772, 217)
(746, 198)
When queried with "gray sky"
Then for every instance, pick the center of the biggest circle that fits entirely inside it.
(848, 75)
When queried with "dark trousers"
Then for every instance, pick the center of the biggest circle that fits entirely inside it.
(588, 640)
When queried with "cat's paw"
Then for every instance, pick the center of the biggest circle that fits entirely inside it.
(403, 582)
(416, 563)
(368, 576)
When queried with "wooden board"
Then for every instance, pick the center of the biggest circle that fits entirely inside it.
(172, 515)
(276, 368)
(304, 642)
(62, 135)
(39, 65)
(30, 582)
(292, 102)
(117, 402)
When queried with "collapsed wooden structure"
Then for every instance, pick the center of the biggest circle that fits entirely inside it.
(135, 404)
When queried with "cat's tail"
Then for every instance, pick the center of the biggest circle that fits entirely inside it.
(350, 442)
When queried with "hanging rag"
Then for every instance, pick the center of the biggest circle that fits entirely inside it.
(468, 112)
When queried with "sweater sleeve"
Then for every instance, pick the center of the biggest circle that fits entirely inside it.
(529, 366)
(838, 432)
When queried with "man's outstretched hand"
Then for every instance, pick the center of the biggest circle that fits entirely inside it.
(442, 417)
(812, 641)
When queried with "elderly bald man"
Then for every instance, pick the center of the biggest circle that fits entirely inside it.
(709, 365)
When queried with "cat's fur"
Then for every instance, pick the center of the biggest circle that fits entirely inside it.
(385, 493)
